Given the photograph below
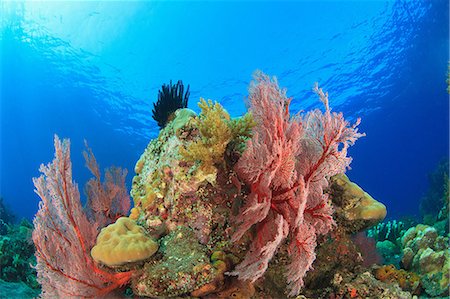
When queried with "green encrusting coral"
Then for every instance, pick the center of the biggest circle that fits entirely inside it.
(17, 255)
(184, 267)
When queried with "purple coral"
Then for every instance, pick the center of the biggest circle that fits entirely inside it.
(286, 165)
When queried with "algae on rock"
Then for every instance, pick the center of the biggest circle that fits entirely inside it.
(184, 267)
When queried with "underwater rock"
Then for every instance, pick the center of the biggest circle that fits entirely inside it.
(183, 267)
(235, 289)
(191, 197)
(365, 285)
(355, 210)
(123, 242)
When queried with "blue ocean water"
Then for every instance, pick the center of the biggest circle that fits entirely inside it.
(91, 70)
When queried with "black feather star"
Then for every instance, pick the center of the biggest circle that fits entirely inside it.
(170, 98)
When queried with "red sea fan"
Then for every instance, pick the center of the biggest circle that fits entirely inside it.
(63, 236)
(110, 200)
(286, 164)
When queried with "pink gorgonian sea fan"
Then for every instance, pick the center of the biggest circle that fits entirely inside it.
(64, 234)
(286, 165)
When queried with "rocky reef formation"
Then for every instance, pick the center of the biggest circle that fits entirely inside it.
(252, 207)
(191, 196)
(427, 253)
(417, 255)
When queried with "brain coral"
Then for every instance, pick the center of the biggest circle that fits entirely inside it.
(123, 242)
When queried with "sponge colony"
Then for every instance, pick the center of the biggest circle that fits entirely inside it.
(123, 242)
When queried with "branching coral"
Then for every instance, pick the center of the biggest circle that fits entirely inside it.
(286, 164)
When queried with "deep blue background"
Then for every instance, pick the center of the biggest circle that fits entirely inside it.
(92, 70)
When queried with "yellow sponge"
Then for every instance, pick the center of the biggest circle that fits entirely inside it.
(123, 242)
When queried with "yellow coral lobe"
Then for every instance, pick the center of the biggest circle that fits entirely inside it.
(139, 165)
(134, 213)
(123, 242)
(149, 199)
(364, 206)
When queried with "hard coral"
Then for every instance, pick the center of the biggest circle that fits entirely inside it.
(355, 208)
(426, 253)
(183, 268)
(123, 242)
(408, 281)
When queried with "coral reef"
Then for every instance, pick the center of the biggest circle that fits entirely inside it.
(388, 236)
(170, 98)
(251, 207)
(17, 255)
(200, 174)
(427, 253)
(355, 209)
(365, 285)
(64, 265)
(419, 251)
(7, 218)
(337, 252)
(123, 242)
(408, 281)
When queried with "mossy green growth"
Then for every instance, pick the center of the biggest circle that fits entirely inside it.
(216, 130)
(184, 267)
(17, 254)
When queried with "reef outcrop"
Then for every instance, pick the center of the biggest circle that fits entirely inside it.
(190, 194)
